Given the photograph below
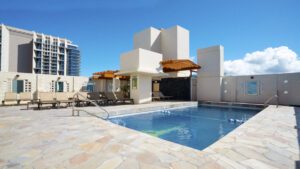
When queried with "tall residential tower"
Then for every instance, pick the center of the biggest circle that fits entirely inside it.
(30, 52)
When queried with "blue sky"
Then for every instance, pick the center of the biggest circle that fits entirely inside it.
(104, 29)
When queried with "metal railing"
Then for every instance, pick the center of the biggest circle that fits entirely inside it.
(78, 109)
(271, 98)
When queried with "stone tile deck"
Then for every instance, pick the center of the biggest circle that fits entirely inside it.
(55, 139)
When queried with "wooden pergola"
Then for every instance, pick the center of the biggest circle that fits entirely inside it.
(109, 74)
(179, 65)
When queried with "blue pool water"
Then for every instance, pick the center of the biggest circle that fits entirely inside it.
(196, 127)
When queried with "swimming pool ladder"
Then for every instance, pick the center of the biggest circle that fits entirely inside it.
(271, 98)
(77, 109)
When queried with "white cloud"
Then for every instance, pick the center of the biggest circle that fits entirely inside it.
(271, 60)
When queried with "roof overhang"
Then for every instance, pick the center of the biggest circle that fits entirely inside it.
(154, 74)
(109, 74)
(179, 65)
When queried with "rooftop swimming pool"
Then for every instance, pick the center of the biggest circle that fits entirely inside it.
(196, 127)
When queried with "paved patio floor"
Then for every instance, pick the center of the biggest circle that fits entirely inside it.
(54, 139)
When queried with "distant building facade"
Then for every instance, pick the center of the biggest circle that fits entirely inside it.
(30, 52)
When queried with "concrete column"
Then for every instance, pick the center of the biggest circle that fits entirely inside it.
(140, 88)
(209, 80)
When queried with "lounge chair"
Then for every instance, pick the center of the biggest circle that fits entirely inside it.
(47, 98)
(160, 96)
(25, 97)
(82, 98)
(121, 97)
(95, 96)
(63, 97)
(111, 98)
(70, 95)
(10, 97)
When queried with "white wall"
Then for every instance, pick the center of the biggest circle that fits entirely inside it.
(129, 61)
(20, 52)
(286, 85)
(5, 49)
(212, 85)
(210, 75)
(141, 94)
(211, 60)
(141, 60)
(143, 64)
(41, 83)
(148, 39)
(175, 43)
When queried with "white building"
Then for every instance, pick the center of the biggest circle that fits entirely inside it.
(154, 47)
(35, 62)
(145, 63)
(30, 52)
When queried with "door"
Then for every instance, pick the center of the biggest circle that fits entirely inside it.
(59, 87)
(17, 86)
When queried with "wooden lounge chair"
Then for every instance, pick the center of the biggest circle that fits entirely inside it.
(95, 96)
(25, 97)
(160, 96)
(82, 98)
(70, 95)
(111, 98)
(10, 97)
(63, 97)
(121, 97)
(47, 98)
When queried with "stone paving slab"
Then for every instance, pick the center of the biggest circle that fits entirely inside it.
(54, 139)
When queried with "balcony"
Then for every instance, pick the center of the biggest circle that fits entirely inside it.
(38, 41)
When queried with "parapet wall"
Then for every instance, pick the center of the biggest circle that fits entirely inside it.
(40, 83)
(242, 88)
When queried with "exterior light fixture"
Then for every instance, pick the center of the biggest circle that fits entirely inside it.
(17, 76)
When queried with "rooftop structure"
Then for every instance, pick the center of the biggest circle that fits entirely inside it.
(30, 52)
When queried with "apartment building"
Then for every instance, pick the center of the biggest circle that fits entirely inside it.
(30, 52)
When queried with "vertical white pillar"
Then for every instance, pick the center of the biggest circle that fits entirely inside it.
(209, 80)
(140, 88)
(5, 49)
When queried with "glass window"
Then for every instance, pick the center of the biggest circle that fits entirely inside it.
(134, 82)
(17, 86)
(90, 87)
(252, 88)
(59, 87)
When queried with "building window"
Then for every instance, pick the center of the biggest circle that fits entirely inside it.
(17, 86)
(134, 82)
(90, 87)
(59, 87)
(252, 88)
(68, 87)
(27, 86)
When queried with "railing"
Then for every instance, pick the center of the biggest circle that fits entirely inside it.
(271, 98)
(76, 109)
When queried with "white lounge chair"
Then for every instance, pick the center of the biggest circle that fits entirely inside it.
(10, 97)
